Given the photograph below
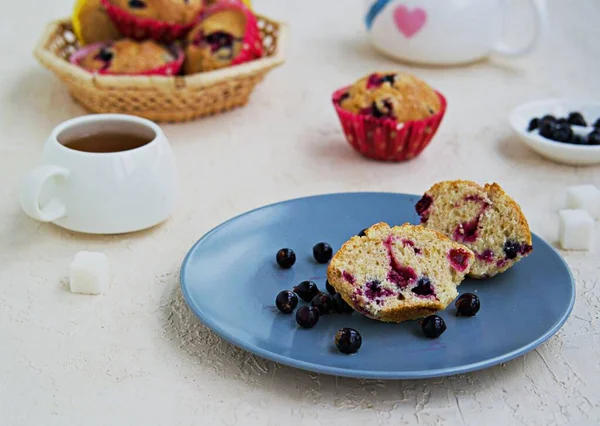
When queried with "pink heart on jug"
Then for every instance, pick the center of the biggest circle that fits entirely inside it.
(409, 22)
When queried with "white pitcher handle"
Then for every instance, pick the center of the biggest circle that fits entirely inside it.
(540, 28)
(32, 188)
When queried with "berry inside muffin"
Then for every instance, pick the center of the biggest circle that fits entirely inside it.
(485, 219)
(127, 57)
(172, 11)
(401, 273)
(397, 96)
(216, 41)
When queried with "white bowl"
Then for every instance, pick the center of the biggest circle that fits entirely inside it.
(557, 151)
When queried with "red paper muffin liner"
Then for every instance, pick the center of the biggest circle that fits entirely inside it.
(145, 28)
(172, 68)
(252, 47)
(386, 139)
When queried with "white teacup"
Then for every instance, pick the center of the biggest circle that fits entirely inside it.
(103, 192)
(445, 32)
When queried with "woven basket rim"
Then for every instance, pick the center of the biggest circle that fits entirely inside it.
(53, 62)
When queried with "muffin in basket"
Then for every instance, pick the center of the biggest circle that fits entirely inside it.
(129, 57)
(485, 219)
(226, 35)
(389, 116)
(248, 3)
(400, 273)
(92, 24)
(160, 20)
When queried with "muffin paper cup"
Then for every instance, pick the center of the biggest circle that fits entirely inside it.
(385, 139)
(252, 47)
(172, 68)
(145, 28)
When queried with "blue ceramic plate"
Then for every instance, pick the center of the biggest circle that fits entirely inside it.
(230, 280)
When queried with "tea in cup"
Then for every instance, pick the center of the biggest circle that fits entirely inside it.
(103, 174)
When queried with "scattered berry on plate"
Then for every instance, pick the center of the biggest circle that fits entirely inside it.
(576, 119)
(433, 326)
(348, 340)
(307, 317)
(329, 288)
(533, 124)
(323, 303)
(286, 301)
(594, 137)
(467, 305)
(286, 258)
(597, 124)
(306, 290)
(322, 252)
(340, 305)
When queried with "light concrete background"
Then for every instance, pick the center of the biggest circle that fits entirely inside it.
(136, 355)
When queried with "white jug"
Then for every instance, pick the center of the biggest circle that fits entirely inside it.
(445, 32)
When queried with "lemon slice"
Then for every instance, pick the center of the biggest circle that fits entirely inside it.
(248, 3)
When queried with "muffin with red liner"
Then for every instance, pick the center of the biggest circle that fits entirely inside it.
(160, 20)
(226, 35)
(389, 116)
(129, 57)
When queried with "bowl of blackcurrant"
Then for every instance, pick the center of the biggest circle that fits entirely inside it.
(566, 131)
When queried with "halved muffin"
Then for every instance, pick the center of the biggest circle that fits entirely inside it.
(400, 273)
(485, 219)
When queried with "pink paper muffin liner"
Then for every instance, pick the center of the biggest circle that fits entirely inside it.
(386, 139)
(252, 47)
(172, 68)
(137, 28)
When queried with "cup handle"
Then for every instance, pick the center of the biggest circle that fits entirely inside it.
(32, 188)
(541, 23)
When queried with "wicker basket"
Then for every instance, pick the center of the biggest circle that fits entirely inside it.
(158, 98)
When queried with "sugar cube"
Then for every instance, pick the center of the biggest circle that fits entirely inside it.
(89, 273)
(585, 197)
(576, 230)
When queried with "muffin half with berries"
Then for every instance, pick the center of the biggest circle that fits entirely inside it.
(484, 219)
(398, 274)
(226, 35)
(160, 20)
(389, 116)
(129, 57)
